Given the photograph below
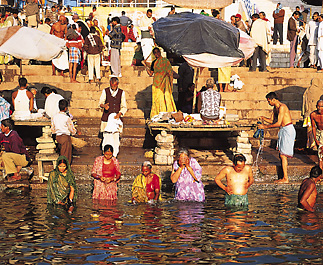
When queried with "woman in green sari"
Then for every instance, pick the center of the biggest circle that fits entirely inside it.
(162, 88)
(61, 187)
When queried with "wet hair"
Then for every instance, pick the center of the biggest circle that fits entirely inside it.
(22, 82)
(172, 8)
(46, 90)
(271, 95)
(62, 161)
(108, 147)
(116, 19)
(183, 150)
(209, 83)
(7, 123)
(92, 30)
(315, 172)
(146, 164)
(62, 104)
(255, 16)
(123, 13)
(238, 158)
(149, 11)
(114, 80)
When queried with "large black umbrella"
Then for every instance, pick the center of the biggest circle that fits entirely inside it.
(313, 2)
(203, 41)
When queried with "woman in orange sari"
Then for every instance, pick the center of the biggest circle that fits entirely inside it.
(106, 174)
(162, 88)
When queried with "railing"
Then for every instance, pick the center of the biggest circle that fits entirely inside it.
(122, 3)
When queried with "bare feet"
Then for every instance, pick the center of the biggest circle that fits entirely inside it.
(281, 181)
(53, 73)
(74, 81)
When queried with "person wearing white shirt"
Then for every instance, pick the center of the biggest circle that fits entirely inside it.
(112, 100)
(311, 34)
(63, 127)
(145, 25)
(320, 43)
(51, 103)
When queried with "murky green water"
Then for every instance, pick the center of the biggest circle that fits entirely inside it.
(270, 231)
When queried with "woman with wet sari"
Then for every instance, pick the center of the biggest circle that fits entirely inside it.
(61, 187)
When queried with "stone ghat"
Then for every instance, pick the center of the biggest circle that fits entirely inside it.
(249, 103)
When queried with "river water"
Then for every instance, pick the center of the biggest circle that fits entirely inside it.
(270, 230)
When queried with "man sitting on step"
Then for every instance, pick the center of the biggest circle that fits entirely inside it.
(15, 155)
(51, 103)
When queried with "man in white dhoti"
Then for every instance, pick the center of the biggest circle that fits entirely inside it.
(147, 41)
(114, 105)
(320, 44)
(311, 34)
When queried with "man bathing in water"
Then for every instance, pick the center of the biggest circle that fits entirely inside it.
(239, 179)
(308, 192)
(317, 128)
(286, 136)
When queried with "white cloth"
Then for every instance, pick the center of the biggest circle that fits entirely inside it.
(147, 47)
(112, 139)
(320, 44)
(22, 111)
(115, 62)
(51, 104)
(93, 61)
(145, 23)
(61, 62)
(259, 32)
(113, 125)
(123, 104)
(311, 32)
(44, 28)
(60, 122)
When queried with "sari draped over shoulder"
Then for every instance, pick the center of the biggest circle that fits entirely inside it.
(58, 186)
(103, 190)
(139, 188)
(162, 88)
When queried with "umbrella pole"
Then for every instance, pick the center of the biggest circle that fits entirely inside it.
(195, 88)
(20, 67)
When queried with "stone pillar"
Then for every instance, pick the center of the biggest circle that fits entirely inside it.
(46, 144)
(244, 147)
(164, 151)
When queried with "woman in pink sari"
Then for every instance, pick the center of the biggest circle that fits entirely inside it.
(106, 174)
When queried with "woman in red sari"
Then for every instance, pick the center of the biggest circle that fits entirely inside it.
(106, 174)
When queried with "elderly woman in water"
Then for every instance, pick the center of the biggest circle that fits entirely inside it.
(186, 175)
(146, 187)
(61, 187)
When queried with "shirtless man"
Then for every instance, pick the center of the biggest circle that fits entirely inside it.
(307, 191)
(239, 178)
(286, 136)
(59, 29)
(317, 128)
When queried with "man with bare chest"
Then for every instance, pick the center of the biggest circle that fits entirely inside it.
(59, 29)
(307, 192)
(282, 119)
(239, 178)
(317, 129)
